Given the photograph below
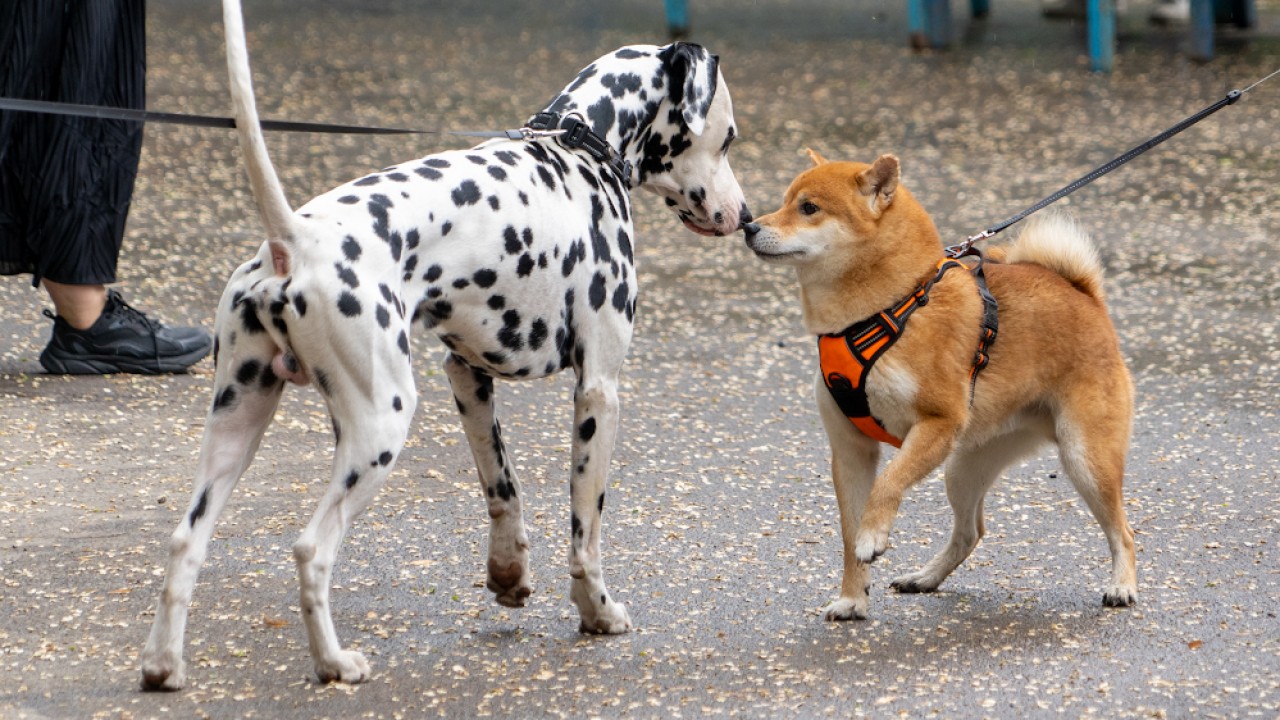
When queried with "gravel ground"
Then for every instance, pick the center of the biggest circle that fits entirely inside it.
(722, 536)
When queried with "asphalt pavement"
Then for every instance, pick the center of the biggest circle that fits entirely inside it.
(721, 534)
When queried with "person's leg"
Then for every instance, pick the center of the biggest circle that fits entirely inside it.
(79, 305)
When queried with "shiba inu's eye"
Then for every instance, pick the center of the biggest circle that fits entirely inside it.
(808, 208)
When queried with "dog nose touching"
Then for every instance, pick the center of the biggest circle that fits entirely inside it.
(744, 217)
(750, 229)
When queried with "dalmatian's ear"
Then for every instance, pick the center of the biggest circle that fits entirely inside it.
(693, 73)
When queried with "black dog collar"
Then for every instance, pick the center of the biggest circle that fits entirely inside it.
(578, 134)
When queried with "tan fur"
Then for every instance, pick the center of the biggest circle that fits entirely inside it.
(860, 242)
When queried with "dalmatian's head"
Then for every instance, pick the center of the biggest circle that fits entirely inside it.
(667, 111)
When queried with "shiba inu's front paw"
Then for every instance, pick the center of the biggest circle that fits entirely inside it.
(1120, 596)
(871, 544)
(846, 609)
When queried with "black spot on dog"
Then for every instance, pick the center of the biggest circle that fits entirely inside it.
(349, 199)
(537, 334)
(590, 177)
(248, 372)
(575, 526)
(485, 278)
(225, 399)
(602, 115)
(622, 84)
(300, 305)
(525, 266)
(507, 157)
(494, 358)
(198, 511)
(249, 318)
(600, 503)
(384, 316)
(397, 404)
(347, 276)
(497, 173)
(428, 173)
(511, 241)
(402, 342)
(348, 304)
(367, 181)
(596, 293)
(620, 297)
(493, 203)
(468, 193)
(269, 378)
(546, 177)
(412, 238)
(436, 163)
(587, 429)
(441, 309)
(397, 177)
(497, 302)
(352, 479)
(477, 159)
(351, 248)
(461, 283)
(445, 228)
(509, 335)
(524, 198)
(433, 273)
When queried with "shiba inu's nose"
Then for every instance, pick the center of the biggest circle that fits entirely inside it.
(750, 229)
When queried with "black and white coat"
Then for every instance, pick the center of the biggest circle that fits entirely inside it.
(517, 254)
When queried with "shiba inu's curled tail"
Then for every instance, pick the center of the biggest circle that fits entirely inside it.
(1056, 241)
(273, 206)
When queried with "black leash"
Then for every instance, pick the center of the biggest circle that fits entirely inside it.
(113, 113)
(965, 247)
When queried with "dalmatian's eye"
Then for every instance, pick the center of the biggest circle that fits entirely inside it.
(808, 208)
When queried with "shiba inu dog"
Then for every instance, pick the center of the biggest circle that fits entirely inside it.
(868, 257)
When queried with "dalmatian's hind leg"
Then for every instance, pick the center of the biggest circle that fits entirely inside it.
(246, 394)
(508, 566)
(371, 421)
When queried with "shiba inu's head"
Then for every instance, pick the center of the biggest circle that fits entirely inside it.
(857, 239)
(828, 212)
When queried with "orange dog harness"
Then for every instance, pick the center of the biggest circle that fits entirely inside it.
(846, 357)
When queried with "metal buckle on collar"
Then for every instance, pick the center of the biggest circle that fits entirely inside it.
(575, 131)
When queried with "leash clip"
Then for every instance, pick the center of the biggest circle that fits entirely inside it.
(962, 249)
(528, 133)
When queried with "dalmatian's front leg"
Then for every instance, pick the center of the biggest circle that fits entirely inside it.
(508, 566)
(595, 426)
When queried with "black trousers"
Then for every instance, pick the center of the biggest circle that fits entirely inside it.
(65, 182)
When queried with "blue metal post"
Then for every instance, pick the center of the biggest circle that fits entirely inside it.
(677, 18)
(1202, 29)
(1101, 16)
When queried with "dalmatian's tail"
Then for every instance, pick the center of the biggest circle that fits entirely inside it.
(273, 206)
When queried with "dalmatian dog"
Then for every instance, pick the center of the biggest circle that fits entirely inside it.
(517, 253)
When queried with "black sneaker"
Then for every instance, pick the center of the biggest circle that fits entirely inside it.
(123, 340)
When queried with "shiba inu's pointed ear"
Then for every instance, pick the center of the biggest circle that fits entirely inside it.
(815, 157)
(879, 182)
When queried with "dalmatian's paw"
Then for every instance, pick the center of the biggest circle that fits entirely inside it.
(599, 614)
(510, 581)
(347, 666)
(163, 673)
